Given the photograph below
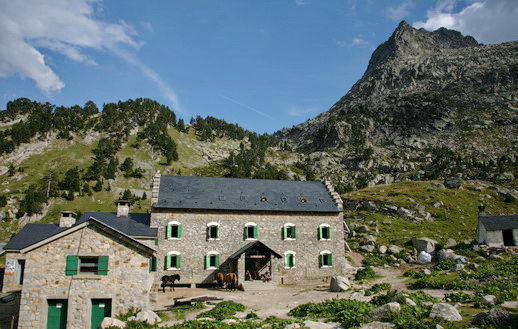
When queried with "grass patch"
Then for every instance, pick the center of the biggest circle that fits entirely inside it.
(179, 311)
(366, 273)
(223, 310)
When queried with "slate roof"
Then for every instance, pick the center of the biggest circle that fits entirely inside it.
(212, 193)
(135, 224)
(502, 222)
(32, 233)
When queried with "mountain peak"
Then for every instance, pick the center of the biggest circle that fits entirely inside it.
(408, 41)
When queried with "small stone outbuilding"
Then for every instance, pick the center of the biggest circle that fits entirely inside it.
(497, 231)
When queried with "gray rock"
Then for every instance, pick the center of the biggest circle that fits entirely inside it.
(436, 185)
(382, 249)
(147, 316)
(367, 248)
(387, 309)
(229, 321)
(496, 317)
(369, 239)
(404, 211)
(378, 325)
(438, 204)
(505, 178)
(460, 259)
(454, 182)
(445, 312)
(363, 229)
(320, 325)
(339, 283)
(458, 267)
(489, 300)
(292, 326)
(112, 322)
(427, 271)
(424, 258)
(446, 254)
(473, 266)
(495, 256)
(393, 249)
(369, 206)
(450, 243)
(410, 302)
(424, 244)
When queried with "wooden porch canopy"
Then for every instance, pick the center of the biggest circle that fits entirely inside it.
(254, 245)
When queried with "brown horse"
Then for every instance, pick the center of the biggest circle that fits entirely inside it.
(168, 281)
(231, 281)
(220, 278)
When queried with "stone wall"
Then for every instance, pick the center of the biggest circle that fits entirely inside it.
(11, 278)
(494, 238)
(194, 245)
(127, 282)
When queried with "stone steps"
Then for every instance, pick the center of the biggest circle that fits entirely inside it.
(258, 286)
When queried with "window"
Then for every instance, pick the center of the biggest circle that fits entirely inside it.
(326, 259)
(152, 264)
(289, 259)
(212, 231)
(212, 260)
(21, 271)
(173, 260)
(289, 232)
(174, 230)
(250, 231)
(86, 265)
(324, 232)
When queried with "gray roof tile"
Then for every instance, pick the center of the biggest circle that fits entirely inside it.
(194, 192)
(501, 222)
(32, 233)
(135, 224)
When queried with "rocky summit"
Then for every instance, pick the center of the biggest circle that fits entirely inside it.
(429, 104)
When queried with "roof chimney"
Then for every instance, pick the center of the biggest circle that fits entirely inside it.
(123, 207)
(67, 219)
(481, 210)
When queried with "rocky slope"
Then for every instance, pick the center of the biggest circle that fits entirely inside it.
(430, 103)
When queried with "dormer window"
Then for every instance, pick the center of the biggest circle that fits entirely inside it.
(264, 199)
(303, 200)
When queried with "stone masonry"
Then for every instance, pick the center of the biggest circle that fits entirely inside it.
(127, 283)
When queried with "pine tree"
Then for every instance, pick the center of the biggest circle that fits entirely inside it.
(12, 170)
(144, 196)
(98, 186)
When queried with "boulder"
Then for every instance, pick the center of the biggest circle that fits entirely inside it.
(460, 259)
(382, 249)
(438, 204)
(436, 185)
(367, 248)
(393, 249)
(229, 321)
(424, 244)
(458, 267)
(147, 316)
(427, 271)
(450, 243)
(446, 254)
(369, 239)
(112, 322)
(363, 229)
(505, 178)
(445, 312)
(453, 182)
(382, 311)
(495, 256)
(339, 283)
(404, 211)
(496, 317)
(424, 258)
(369, 206)
(319, 325)
(378, 325)
(489, 300)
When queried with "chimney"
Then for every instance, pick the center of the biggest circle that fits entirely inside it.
(68, 219)
(481, 210)
(123, 207)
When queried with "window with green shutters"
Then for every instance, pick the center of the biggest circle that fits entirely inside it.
(173, 261)
(71, 265)
(174, 230)
(326, 260)
(152, 264)
(211, 261)
(289, 232)
(251, 231)
(103, 265)
(324, 232)
(289, 259)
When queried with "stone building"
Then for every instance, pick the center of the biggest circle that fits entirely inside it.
(76, 273)
(497, 231)
(291, 229)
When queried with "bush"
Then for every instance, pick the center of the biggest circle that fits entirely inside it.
(444, 265)
(223, 310)
(252, 315)
(459, 297)
(365, 274)
(376, 288)
(349, 313)
(414, 274)
(383, 299)
(443, 283)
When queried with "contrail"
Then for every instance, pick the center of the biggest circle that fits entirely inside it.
(247, 106)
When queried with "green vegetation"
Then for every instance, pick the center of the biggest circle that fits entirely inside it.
(223, 310)
(378, 287)
(179, 311)
(366, 273)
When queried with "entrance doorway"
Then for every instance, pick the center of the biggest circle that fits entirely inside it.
(508, 237)
(57, 315)
(101, 308)
(256, 265)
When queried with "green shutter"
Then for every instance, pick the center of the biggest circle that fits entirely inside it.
(284, 232)
(103, 265)
(167, 261)
(169, 230)
(320, 232)
(321, 260)
(179, 230)
(330, 260)
(294, 232)
(245, 234)
(177, 261)
(255, 232)
(152, 264)
(207, 261)
(156, 242)
(217, 261)
(71, 267)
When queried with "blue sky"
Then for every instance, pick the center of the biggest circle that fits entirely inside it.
(263, 64)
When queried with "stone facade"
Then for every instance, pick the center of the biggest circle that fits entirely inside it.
(127, 283)
(194, 244)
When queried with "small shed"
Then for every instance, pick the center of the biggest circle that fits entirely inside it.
(498, 231)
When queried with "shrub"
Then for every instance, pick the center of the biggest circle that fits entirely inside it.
(420, 297)
(443, 283)
(459, 297)
(223, 310)
(383, 299)
(252, 315)
(376, 288)
(444, 265)
(365, 274)
(414, 274)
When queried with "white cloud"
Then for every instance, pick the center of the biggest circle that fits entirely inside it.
(59, 25)
(488, 21)
(300, 112)
(301, 2)
(147, 26)
(355, 42)
(359, 42)
(400, 11)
